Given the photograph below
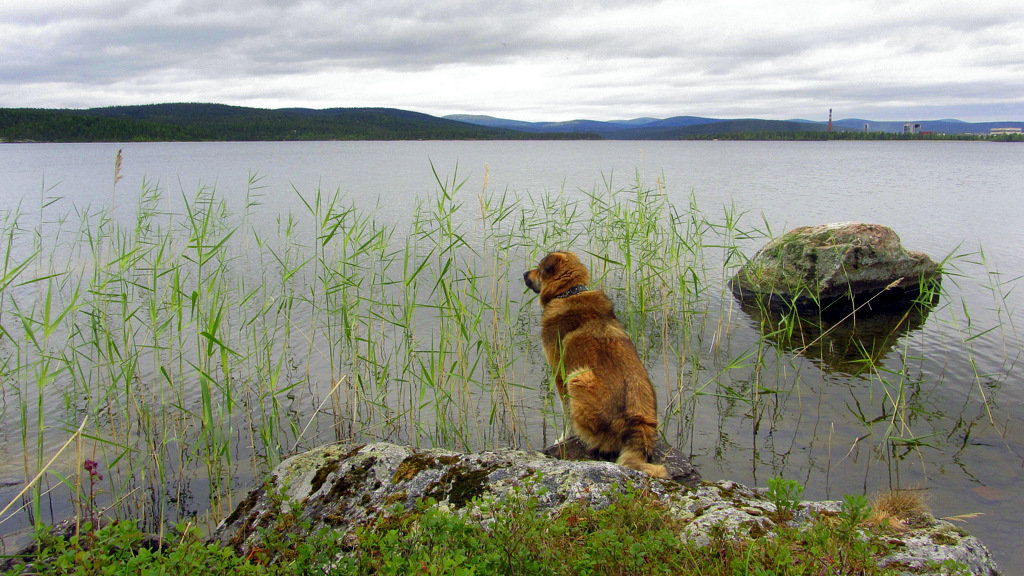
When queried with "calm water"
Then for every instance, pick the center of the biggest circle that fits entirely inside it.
(941, 197)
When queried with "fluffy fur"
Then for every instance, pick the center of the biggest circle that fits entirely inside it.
(609, 397)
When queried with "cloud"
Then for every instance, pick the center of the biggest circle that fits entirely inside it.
(532, 60)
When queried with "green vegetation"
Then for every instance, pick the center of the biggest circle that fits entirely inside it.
(69, 126)
(786, 495)
(634, 534)
(196, 122)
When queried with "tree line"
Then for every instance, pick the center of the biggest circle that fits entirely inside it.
(214, 122)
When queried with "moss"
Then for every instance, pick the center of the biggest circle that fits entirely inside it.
(675, 487)
(336, 518)
(727, 492)
(756, 530)
(347, 484)
(285, 522)
(417, 463)
(944, 539)
(355, 450)
(460, 485)
(395, 498)
(322, 474)
(247, 516)
(245, 506)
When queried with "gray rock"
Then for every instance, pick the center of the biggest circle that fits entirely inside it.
(341, 486)
(938, 543)
(813, 267)
(344, 485)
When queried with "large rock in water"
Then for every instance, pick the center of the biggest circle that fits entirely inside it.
(342, 486)
(814, 267)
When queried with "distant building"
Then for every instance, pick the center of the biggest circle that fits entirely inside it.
(1004, 131)
(912, 128)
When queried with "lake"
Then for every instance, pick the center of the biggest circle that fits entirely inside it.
(938, 407)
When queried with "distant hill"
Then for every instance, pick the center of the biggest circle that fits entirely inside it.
(193, 122)
(616, 129)
(709, 128)
(586, 126)
(675, 128)
(696, 127)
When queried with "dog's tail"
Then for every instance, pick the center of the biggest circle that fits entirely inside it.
(638, 447)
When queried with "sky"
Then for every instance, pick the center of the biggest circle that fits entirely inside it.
(531, 60)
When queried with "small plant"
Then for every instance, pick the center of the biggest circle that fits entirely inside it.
(854, 511)
(92, 467)
(786, 495)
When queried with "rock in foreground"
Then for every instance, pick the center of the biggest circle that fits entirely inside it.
(344, 485)
(813, 267)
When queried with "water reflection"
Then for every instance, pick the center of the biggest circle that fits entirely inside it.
(848, 344)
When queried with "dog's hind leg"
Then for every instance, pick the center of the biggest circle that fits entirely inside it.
(637, 461)
(637, 447)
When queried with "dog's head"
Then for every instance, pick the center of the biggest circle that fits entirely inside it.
(557, 273)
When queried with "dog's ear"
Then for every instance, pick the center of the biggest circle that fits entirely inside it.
(550, 263)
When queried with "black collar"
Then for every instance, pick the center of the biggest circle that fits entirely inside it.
(573, 291)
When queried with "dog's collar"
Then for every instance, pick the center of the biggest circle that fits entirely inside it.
(573, 291)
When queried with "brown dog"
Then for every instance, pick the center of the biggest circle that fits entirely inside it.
(598, 373)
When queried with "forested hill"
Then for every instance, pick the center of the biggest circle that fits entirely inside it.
(213, 122)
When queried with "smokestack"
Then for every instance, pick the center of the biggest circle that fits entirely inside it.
(829, 120)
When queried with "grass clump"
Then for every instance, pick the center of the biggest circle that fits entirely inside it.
(634, 534)
(898, 510)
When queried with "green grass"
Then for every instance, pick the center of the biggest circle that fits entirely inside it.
(633, 534)
(201, 345)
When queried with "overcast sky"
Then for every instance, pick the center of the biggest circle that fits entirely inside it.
(530, 60)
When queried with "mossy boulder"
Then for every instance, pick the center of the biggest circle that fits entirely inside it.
(344, 485)
(834, 266)
(339, 487)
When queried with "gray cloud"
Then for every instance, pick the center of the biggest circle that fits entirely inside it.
(546, 60)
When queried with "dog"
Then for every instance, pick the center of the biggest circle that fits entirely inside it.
(604, 387)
